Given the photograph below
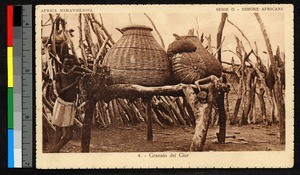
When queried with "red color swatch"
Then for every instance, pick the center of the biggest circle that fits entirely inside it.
(9, 25)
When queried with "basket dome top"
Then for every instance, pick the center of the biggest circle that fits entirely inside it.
(137, 27)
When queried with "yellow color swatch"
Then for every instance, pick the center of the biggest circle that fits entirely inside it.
(10, 67)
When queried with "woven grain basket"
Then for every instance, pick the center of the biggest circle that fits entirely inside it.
(137, 58)
(188, 67)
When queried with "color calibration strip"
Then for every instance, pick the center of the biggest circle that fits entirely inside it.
(19, 70)
(10, 90)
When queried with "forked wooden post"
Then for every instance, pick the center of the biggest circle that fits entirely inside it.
(202, 110)
(149, 118)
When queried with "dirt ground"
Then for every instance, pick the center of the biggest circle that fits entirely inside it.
(133, 139)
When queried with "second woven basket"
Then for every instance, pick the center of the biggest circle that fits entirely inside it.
(187, 67)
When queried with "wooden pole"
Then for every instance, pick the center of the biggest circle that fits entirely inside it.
(220, 98)
(122, 113)
(238, 102)
(87, 125)
(149, 118)
(116, 111)
(277, 87)
(248, 95)
(81, 46)
(202, 113)
(183, 112)
(111, 111)
(155, 118)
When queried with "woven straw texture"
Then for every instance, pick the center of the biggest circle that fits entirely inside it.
(213, 65)
(188, 67)
(137, 58)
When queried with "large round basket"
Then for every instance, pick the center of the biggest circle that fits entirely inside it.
(188, 67)
(137, 58)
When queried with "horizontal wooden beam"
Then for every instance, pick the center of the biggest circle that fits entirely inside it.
(134, 91)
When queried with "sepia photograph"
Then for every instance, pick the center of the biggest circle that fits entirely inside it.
(158, 85)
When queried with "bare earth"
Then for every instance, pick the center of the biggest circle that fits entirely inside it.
(133, 139)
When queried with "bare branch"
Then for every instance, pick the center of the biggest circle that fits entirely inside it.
(240, 32)
(256, 53)
(161, 40)
(87, 34)
(230, 52)
(220, 46)
(219, 34)
(209, 43)
(97, 30)
(68, 38)
(130, 18)
(81, 46)
(94, 20)
(101, 19)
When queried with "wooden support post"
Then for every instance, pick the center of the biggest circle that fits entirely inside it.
(87, 125)
(147, 101)
(202, 112)
(220, 98)
(222, 118)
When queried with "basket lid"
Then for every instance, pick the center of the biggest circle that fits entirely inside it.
(143, 27)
